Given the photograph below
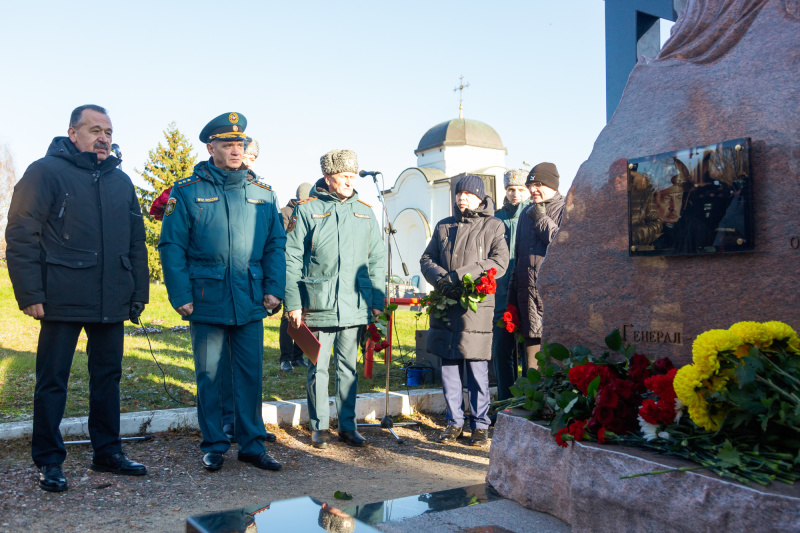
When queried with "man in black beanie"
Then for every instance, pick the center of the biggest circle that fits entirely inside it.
(537, 228)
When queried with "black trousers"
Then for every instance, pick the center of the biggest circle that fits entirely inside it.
(57, 341)
(289, 350)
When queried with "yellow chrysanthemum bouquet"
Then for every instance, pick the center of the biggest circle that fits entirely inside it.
(745, 378)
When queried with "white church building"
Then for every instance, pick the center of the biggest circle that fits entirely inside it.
(424, 194)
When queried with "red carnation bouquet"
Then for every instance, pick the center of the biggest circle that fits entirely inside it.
(471, 292)
(598, 398)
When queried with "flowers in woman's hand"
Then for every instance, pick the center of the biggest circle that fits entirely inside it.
(468, 293)
(487, 284)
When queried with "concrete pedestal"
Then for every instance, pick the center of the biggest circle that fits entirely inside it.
(580, 485)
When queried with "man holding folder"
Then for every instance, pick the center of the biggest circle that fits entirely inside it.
(334, 283)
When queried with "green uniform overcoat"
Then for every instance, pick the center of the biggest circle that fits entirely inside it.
(334, 260)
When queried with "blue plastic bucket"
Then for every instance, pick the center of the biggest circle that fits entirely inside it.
(414, 377)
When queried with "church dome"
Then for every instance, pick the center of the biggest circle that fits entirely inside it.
(460, 132)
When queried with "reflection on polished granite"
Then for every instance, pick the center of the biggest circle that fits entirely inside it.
(307, 514)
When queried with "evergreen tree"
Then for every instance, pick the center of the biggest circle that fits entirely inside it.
(165, 165)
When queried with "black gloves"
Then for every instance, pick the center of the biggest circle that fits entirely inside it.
(448, 285)
(537, 211)
(136, 311)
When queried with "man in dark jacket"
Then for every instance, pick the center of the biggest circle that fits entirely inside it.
(222, 250)
(504, 346)
(537, 228)
(470, 242)
(77, 261)
(291, 354)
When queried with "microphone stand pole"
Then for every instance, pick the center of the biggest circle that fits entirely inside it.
(386, 421)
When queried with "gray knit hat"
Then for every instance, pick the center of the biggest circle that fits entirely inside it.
(337, 161)
(303, 190)
(251, 147)
(515, 178)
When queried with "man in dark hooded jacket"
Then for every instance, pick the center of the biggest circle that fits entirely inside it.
(537, 228)
(77, 261)
(472, 241)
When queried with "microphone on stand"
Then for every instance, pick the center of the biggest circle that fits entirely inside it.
(365, 173)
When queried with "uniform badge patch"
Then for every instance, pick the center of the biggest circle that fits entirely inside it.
(207, 200)
(233, 118)
(359, 215)
(322, 215)
(256, 201)
(170, 208)
(292, 223)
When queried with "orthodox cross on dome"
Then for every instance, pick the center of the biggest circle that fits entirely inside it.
(461, 88)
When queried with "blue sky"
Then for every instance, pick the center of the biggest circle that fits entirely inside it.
(309, 76)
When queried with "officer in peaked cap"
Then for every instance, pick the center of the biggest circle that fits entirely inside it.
(222, 250)
(226, 126)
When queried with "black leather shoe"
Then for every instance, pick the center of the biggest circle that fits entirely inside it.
(300, 363)
(229, 432)
(213, 461)
(270, 437)
(480, 437)
(449, 435)
(320, 439)
(118, 464)
(51, 478)
(286, 366)
(352, 438)
(262, 460)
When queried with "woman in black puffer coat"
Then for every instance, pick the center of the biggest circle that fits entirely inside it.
(470, 242)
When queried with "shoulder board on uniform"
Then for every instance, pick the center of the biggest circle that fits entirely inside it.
(261, 184)
(365, 203)
(186, 181)
(309, 199)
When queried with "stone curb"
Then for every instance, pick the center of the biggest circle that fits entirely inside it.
(282, 413)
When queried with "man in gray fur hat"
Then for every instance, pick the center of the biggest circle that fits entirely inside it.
(504, 349)
(291, 354)
(334, 284)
